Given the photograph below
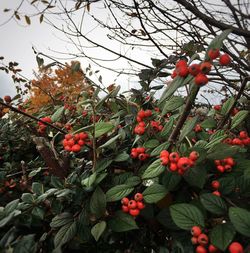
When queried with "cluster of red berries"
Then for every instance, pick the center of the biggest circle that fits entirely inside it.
(177, 163)
(139, 153)
(41, 126)
(75, 142)
(216, 185)
(199, 71)
(242, 140)
(225, 165)
(234, 112)
(202, 241)
(133, 206)
(140, 128)
(198, 128)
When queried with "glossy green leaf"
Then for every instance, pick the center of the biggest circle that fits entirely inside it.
(118, 192)
(154, 193)
(154, 170)
(98, 229)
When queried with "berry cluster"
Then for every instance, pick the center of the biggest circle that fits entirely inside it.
(139, 153)
(201, 241)
(133, 206)
(141, 126)
(75, 142)
(177, 163)
(216, 185)
(198, 128)
(225, 165)
(242, 140)
(199, 71)
(41, 126)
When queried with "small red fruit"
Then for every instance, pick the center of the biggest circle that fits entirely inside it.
(173, 167)
(132, 204)
(140, 205)
(196, 231)
(148, 113)
(174, 157)
(201, 79)
(174, 74)
(181, 63)
(194, 155)
(139, 130)
(217, 193)
(213, 53)
(182, 71)
(68, 136)
(81, 142)
(243, 135)
(213, 249)
(203, 239)
(141, 114)
(134, 154)
(140, 150)
(215, 184)
(225, 59)
(138, 196)
(235, 247)
(164, 153)
(217, 107)
(200, 249)
(220, 168)
(194, 69)
(198, 128)
(125, 201)
(76, 148)
(143, 156)
(206, 67)
(164, 160)
(183, 163)
(7, 99)
(194, 240)
(71, 142)
(134, 212)
(125, 209)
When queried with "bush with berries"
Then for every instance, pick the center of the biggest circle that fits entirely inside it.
(129, 174)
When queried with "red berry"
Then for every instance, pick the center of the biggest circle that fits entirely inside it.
(235, 247)
(138, 196)
(201, 79)
(140, 150)
(194, 69)
(142, 124)
(213, 53)
(141, 114)
(213, 249)
(68, 136)
(194, 240)
(125, 201)
(206, 67)
(225, 59)
(148, 113)
(194, 155)
(217, 162)
(132, 204)
(138, 119)
(217, 107)
(139, 130)
(203, 239)
(215, 184)
(173, 166)
(174, 74)
(164, 160)
(200, 249)
(174, 157)
(65, 142)
(140, 205)
(7, 99)
(196, 231)
(228, 167)
(76, 148)
(81, 142)
(83, 136)
(183, 163)
(220, 168)
(67, 148)
(164, 153)
(125, 209)
(217, 193)
(243, 135)
(182, 71)
(237, 141)
(134, 212)
(84, 113)
(143, 156)
(181, 63)
(76, 137)
(71, 142)
(198, 128)
(134, 154)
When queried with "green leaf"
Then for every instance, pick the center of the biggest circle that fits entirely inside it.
(61, 220)
(65, 234)
(25, 244)
(118, 192)
(227, 106)
(122, 222)
(154, 170)
(27, 198)
(222, 235)
(168, 127)
(227, 185)
(238, 118)
(152, 143)
(172, 104)
(209, 123)
(103, 128)
(188, 127)
(7, 219)
(122, 157)
(157, 150)
(171, 180)
(196, 172)
(98, 229)
(103, 164)
(58, 114)
(217, 42)
(38, 212)
(37, 188)
(154, 193)
(133, 181)
(221, 151)
(216, 138)
(241, 220)
(98, 203)
(186, 216)
(213, 203)
(11, 206)
(110, 141)
(89, 181)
